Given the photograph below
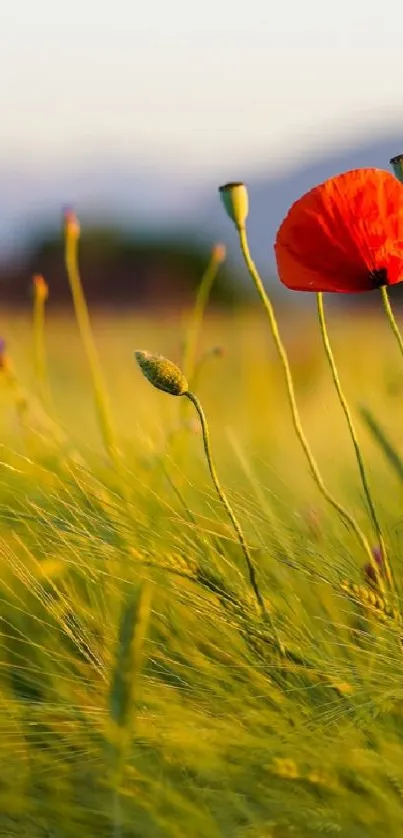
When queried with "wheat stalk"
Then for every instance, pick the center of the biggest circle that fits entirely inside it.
(124, 688)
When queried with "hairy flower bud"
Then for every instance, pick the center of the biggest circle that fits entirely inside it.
(162, 373)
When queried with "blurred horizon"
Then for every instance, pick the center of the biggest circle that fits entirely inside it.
(152, 231)
(121, 192)
(134, 116)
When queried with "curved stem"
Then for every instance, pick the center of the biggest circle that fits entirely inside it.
(391, 317)
(353, 434)
(224, 500)
(268, 306)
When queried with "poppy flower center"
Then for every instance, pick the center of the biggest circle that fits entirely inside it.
(379, 277)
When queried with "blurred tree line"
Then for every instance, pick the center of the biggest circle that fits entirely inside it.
(119, 269)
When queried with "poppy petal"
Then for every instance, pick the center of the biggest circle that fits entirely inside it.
(345, 235)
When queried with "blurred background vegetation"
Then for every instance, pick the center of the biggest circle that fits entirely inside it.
(119, 270)
(145, 272)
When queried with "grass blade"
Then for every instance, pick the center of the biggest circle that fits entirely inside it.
(383, 441)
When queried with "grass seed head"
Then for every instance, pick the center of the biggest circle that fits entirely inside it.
(41, 287)
(162, 373)
(219, 253)
(234, 197)
(71, 223)
(286, 768)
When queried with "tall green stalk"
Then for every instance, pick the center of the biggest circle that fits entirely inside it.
(391, 317)
(196, 317)
(353, 434)
(124, 688)
(72, 231)
(268, 307)
(41, 293)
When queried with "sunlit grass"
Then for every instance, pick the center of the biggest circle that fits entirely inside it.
(229, 735)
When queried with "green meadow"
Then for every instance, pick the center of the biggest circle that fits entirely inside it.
(143, 692)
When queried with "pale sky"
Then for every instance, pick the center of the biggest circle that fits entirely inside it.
(195, 85)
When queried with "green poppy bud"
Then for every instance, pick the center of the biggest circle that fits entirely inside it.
(162, 373)
(236, 203)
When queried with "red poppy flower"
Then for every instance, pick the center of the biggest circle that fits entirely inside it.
(345, 235)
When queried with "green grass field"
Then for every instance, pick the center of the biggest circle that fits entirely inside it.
(142, 693)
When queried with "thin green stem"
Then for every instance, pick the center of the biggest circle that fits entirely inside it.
(385, 444)
(196, 318)
(391, 317)
(199, 367)
(84, 325)
(225, 502)
(40, 347)
(268, 307)
(178, 493)
(353, 434)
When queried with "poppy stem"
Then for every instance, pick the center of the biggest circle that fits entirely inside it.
(356, 444)
(225, 502)
(391, 316)
(282, 352)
